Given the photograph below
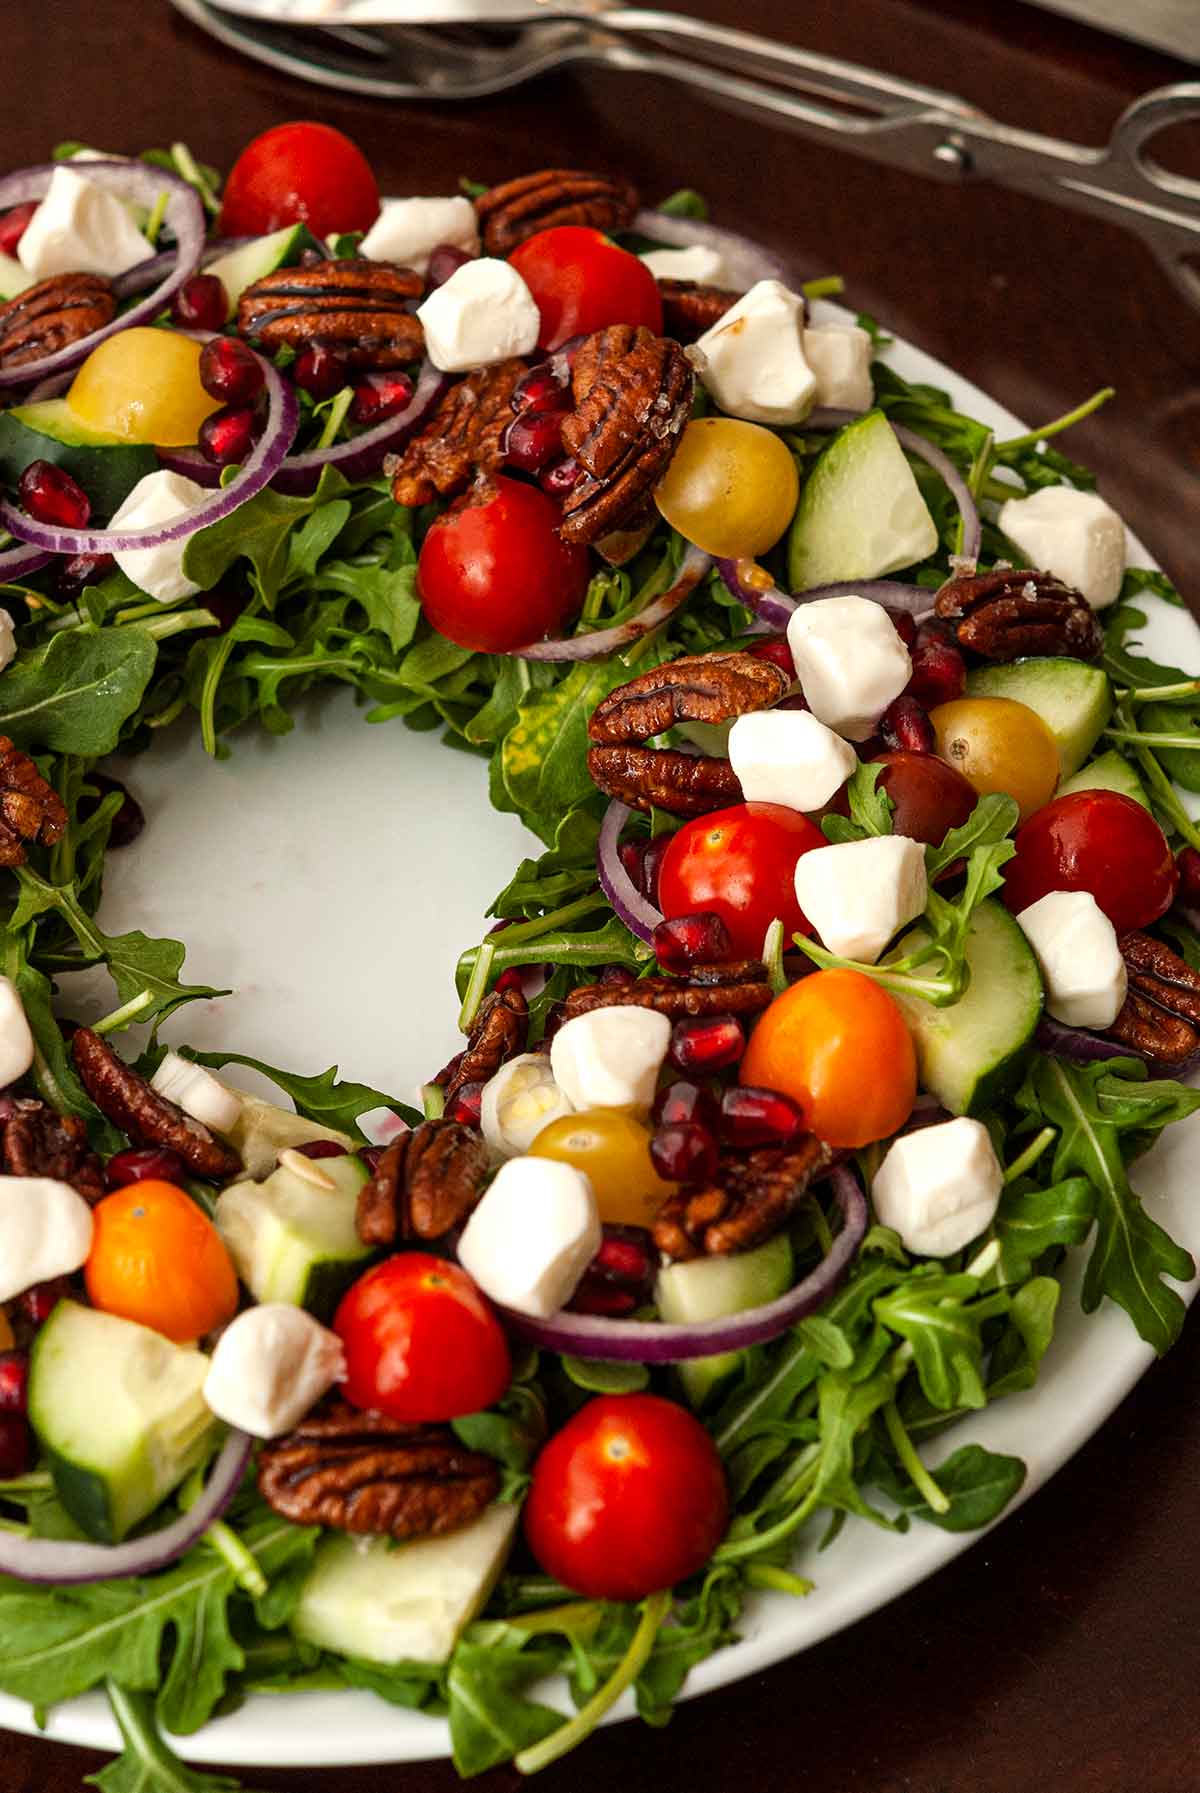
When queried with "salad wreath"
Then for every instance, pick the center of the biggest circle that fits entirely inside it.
(850, 982)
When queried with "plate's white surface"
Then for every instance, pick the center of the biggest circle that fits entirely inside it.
(332, 878)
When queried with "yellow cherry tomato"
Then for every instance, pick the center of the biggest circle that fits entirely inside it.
(998, 745)
(731, 487)
(614, 1151)
(144, 386)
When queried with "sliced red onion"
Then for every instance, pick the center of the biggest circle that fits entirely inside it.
(183, 215)
(649, 1341)
(137, 279)
(65, 1563)
(598, 646)
(774, 608)
(362, 456)
(932, 455)
(16, 562)
(747, 262)
(1076, 1043)
(635, 910)
(770, 605)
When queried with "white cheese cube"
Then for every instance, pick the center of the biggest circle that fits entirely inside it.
(788, 757)
(858, 895)
(849, 660)
(939, 1187)
(45, 1231)
(80, 228)
(270, 1366)
(518, 1102)
(1076, 947)
(1074, 535)
(532, 1236)
(611, 1057)
(8, 640)
(197, 1092)
(16, 1040)
(158, 498)
(407, 231)
(752, 360)
(484, 313)
(840, 357)
(697, 262)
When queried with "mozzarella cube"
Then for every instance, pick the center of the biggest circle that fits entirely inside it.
(840, 357)
(532, 1236)
(788, 757)
(45, 1231)
(16, 1040)
(484, 313)
(270, 1366)
(1074, 535)
(752, 361)
(80, 228)
(407, 231)
(698, 262)
(518, 1102)
(197, 1092)
(1075, 945)
(849, 660)
(8, 640)
(858, 895)
(610, 1058)
(158, 498)
(939, 1187)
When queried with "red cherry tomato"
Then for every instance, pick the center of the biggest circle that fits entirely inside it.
(301, 173)
(628, 1498)
(929, 797)
(582, 281)
(741, 864)
(421, 1342)
(1098, 841)
(494, 572)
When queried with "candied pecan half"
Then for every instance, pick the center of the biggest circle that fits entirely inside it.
(35, 1141)
(1151, 1032)
(464, 435)
(353, 305)
(690, 308)
(30, 809)
(125, 1098)
(518, 209)
(1160, 1016)
(52, 314)
(633, 395)
(1012, 612)
(709, 688)
(740, 988)
(425, 1183)
(684, 784)
(363, 1472)
(751, 1197)
(498, 1034)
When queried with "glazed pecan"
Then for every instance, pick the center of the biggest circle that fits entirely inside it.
(35, 1141)
(1150, 1032)
(1160, 1016)
(689, 309)
(498, 1034)
(519, 209)
(30, 809)
(125, 1098)
(353, 305)
(633, 395)
(751, 1197)
(740, 988)
(1010, 613)
(463, 436)
(684, 784)
(53, 314)
(425, 1183)
(362, 1472)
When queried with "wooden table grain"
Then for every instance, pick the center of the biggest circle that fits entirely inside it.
(1062, 1651)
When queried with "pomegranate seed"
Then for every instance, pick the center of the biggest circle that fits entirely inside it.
(904, 626)
(687, 940)
(16, 1445)
(321, 1148)
(230, 371)
(14, 1381)
(932, 629)
(443, 261)
(684, 1154)
(904, 724)
(319, 371)
(379, 397)
(201, 304)
(939, 674)
(1188, 862)
(52, 496)
(13, 225)
(465, 1105)
(227, 437)
(82, 569)
(226, 604)
(37, 1304)
(706, 1043)
(685, 1104)
(540, 390)
(632, 853)
(142, 1164)
(775, 649)
(533, 439)
(615, 974)
(758, 1117)
(512, 979)
(656, 852)
(129, 820)
(560, 478)
(620, 1276)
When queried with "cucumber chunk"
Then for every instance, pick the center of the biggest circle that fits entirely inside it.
(1073, 699)
(13, 277)
(293, 1241)
(105, 467)
(120, 1414)
(387, 1602)
(973, 1051)
(240, 268)
(263, 1130)
(1109, 772)
(861, 513)
(711, 1288)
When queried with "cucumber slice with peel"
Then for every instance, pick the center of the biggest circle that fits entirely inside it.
(1108, 772)
(861, 513)
(1073, 699)
(293, 1238)
(263, 1130)
(13, 277)
(711, 1288)
(106, 468)
(241, 267)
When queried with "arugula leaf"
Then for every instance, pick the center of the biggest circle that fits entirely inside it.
(543, 757)
(322, 1098)
(991, 821)
(388, 597)
(870, 808)
(147, 1765)
(490, 1720)
(1032, 1221)
(259, 531)
(942, 1317)
(75, 692)
(978, 1483)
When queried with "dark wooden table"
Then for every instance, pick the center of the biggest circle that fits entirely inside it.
(1062, 1652)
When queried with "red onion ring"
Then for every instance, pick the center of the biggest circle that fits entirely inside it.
(16, 562)
(1083, 1047)
(747, 262)
(932, 455)
(650, 1341)
(137, 279)
(775, 608)
(693, 567)
(66, 1563)
(184, 215)
(635, 910)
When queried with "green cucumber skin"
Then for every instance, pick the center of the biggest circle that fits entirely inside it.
(328, 1281)
(1108, 772)
(85, 1494)
(246, 266)
(107, 472)
(770, 1269)
(1073, 698)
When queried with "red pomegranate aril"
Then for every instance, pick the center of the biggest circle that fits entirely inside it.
(684, 1154)
(319, 371)
(706, 1043)
(939, 674)
(560, 478)
(540, 390)
(201, 304)
(904, 725)
(443, 261)
(14, 1382)
(620, 1276)
(532, 439)
(322, 1148)
(652, 858)
(52, 496)
(465, 1105)
(230, 371)
(227, 437)
(37, 1304)
(512, 979)
(932, 629)
(1188, 862)
(14, 224)
(379, 397)
(71, 576)
(904, 626)
(758, 1117)
(687, 940)
(16, 1446)
(615, 974)
(631, 854)
(775, 649)
(683, 1104)
(141, 1164)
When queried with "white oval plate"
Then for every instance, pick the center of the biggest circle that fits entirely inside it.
(332, 878)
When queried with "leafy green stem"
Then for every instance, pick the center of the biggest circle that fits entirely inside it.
(1031, 1154)
(1033, 437)
(559, 1742)
(913, 1467)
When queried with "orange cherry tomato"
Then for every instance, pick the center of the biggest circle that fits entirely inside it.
(156, 1258)
(838, 1045)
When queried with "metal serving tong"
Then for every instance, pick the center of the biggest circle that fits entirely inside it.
(403, 49)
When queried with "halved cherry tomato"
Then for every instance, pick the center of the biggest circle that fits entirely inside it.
(421, 1342)
(156, 1258)
(1099, 841)
(582, 281)
(740, 863)
(628, 1498)
(299, 173)
(928, 796)
(838, 1045)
